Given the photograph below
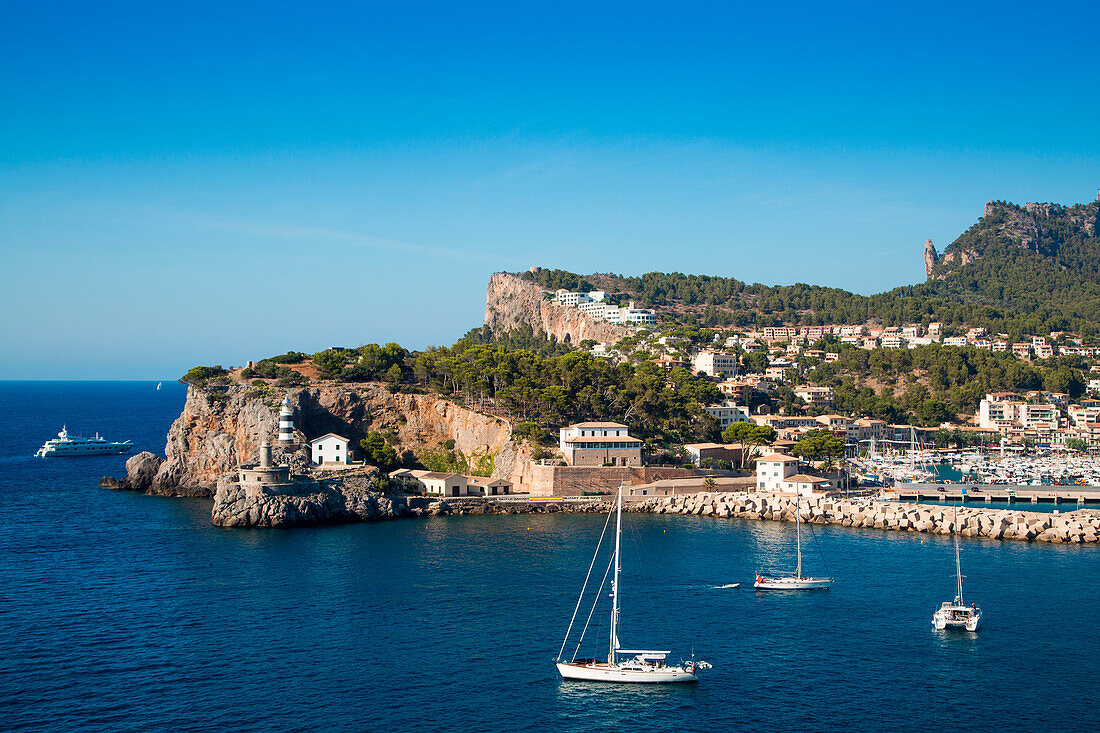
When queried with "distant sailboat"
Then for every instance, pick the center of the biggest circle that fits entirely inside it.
(158, 386)
(796, 581)
(622, 665)
(956, 614)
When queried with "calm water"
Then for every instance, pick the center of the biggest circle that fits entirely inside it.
(123, 612)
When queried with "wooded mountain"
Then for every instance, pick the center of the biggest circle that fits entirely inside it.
(1019, 270)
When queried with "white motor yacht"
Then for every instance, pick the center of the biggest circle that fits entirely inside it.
(77, 445)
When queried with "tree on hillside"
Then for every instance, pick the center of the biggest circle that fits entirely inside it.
(378, 452)
(817, 445)
(751, 436)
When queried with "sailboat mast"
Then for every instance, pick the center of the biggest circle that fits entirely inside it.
(615, 582)
(798, 533)
(958, 565)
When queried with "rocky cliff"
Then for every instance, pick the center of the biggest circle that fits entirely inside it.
(511, 301)
(931, 257)
(222, 427)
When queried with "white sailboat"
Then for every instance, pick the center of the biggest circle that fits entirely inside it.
(956, 614)
(622, 665)
(796, 581)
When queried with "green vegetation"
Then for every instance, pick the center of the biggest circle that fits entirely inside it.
(370, 363)
(378, 452)
(819, 445)
(572, 387)
(559, 279)
(952, 380)
(273, 369)
(750, 435)
(202, 376)
(1076, 444)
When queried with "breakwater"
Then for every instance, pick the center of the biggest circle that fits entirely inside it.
(1078, 527)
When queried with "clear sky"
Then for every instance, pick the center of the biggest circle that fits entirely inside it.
(186, 183)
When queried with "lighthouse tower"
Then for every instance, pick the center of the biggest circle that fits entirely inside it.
(286, 423)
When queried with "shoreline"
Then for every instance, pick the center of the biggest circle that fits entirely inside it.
(353, 500)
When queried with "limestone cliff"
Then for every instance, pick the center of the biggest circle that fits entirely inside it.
(511, 301)
(930, 258)
(221, 427)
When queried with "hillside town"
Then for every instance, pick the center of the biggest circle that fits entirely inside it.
(1040, 419)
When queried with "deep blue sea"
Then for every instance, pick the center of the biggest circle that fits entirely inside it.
(124, 612)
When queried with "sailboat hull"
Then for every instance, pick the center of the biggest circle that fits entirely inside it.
(792, 583)
(602, 672)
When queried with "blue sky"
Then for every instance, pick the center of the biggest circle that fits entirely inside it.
(207, 184)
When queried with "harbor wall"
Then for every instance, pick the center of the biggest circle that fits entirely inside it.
(1077, 527)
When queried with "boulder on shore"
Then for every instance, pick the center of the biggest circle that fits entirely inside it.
(141, 469)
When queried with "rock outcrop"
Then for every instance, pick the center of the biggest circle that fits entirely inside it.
(512, 301)
(222, 427)
(931, 257)
(1037, 227)
(141, 472)
(330, 501)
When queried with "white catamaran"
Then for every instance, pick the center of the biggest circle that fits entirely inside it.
(622, 665)
(796, 581)
(956, 614)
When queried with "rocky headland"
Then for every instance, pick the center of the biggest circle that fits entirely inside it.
(512, 301)
(221, 427)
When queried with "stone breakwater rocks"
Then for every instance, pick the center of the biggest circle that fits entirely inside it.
(1077, 527)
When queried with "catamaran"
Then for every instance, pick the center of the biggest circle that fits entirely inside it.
(796, 581)
(956, 614)
(622, 665)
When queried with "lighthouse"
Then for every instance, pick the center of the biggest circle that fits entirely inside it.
(286, 423)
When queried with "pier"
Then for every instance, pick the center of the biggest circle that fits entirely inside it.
(994, 493)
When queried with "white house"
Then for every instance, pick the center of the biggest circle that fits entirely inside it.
(599, 444)
(779, 473)
(772, 470)
(714, 363)
(728, 413)
(329, 448)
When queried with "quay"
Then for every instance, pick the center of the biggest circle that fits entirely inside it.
(995, 493)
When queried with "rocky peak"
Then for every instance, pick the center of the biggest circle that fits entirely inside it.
(931, 257)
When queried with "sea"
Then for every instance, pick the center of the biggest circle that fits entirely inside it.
(126, 612)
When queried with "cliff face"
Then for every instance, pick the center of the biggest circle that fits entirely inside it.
(221, 427)
(511, 301)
